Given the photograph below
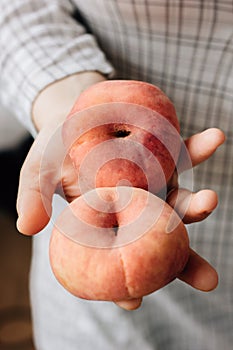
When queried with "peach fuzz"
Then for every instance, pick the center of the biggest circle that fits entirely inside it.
(113, 266)
(144, 127)
(115, 246)
(128, 91)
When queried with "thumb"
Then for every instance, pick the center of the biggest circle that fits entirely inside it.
(37, 184)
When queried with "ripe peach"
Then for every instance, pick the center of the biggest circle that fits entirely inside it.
(131, 136)
(127, 91)
(114, 244)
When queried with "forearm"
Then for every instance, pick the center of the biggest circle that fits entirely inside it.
(53, 104)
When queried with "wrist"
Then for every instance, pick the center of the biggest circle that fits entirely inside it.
(53, 104)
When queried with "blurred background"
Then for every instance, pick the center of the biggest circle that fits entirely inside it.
(15, 249)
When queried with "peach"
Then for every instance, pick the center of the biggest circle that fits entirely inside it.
(125, 132)
(128, 91)
(117, 244)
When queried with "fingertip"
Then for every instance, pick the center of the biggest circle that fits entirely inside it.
(20, 226)
(200, 147)
(212, 278)
(205, 201)
(199, 274)
(34, 214)
(201, 205)
(30, 226)
(217, 136)
(206, 279)
(129, 305)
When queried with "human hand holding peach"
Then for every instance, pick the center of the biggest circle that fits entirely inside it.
(196, 266)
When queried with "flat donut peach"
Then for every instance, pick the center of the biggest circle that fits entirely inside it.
(117, 244)
(131, 136)
(128, 91)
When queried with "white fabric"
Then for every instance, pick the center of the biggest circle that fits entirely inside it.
(41, 43)
(184, 47)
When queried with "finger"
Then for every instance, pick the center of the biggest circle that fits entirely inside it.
(200, 147)
(199, 274)
(173, 182)
(34, 207)
(129, 305)
(68, 187)
(192, 207)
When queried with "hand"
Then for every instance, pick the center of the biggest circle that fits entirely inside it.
(197, 273)
(193, 207)
(49, 111)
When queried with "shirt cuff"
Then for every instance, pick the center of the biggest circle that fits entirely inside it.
(89, 58)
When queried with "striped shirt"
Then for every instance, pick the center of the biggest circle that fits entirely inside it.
(185, 47)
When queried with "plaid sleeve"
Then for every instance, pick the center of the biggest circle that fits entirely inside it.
(40, 43)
